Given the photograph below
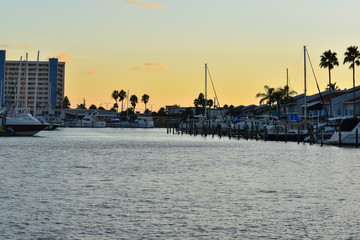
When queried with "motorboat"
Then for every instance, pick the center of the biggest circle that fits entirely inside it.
(348, 131)
(144, 122)
(91, 121)
(23, 125)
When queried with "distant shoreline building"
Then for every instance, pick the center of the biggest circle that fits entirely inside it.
(18, 82)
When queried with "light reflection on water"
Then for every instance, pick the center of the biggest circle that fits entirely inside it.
(146, 184)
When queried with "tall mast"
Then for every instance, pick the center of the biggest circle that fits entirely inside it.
(305, 106)
(205, 88)
(287, 82)
(36, 82)
(26, 80)
(18, 87)
(287, 77)
(127, 105)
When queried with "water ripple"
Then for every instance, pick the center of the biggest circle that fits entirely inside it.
(145, 184)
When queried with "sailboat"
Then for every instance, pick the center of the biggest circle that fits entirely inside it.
(295, 128)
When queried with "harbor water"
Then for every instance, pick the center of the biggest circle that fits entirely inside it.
(146, 184)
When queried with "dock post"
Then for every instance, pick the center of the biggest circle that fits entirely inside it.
(298, 135)
(238, 132)
(277, 134)
(286, 134)
(322, 138)
(246, 132)
(252, 130)
(357, 139)
(339, 138)
(256, 132)
(265, 134)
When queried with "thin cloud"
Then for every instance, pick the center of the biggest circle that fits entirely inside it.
(151, 66)
(23, 46)
(91, 72)
(139, 3)
(4, 45)
(157, 6)
(62, 56)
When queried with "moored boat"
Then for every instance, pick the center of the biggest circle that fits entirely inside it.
(23, 125)
(348, 133)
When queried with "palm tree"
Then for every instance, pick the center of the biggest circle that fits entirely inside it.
(122, 96)
(267, 97)
(210, 103)
(115, 95)
(93, 106)
(352, 56)
(134, 101)
(278, 95)
(66, 102)
(145, 99)
(200, 101)
(332, 86)
(287, 96)
(328, 60)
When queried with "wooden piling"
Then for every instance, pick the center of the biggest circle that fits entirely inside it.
(339, 138)
(322, 138)
(256, 132)
(357, 135)
(265, 134)
(298, 135)
(252, 130)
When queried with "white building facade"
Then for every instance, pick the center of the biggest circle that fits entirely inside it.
(21, 81)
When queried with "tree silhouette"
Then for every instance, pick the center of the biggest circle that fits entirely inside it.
(145, 99)
(122, 96)
(134, 101)
(328, 60)
(115, 96)
(93, 107)
(332, 86)
(66, 102)
(267, 97)
(352, 56)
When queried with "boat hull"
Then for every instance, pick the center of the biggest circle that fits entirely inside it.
(289, 137)
(24, 129)
(347, 138)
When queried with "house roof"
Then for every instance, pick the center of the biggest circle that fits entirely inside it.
(357, 99)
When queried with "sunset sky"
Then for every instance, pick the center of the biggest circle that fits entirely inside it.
(159, 47)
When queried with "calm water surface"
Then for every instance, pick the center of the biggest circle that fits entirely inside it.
(146, 184)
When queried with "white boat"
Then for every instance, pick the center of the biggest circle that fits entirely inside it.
(23, 125)
(140, 122)
(145, 122)
(347, 133)
(91, 121)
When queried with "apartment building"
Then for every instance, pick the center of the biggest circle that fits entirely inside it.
(22, 80)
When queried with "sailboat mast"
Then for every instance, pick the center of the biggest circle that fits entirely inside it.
(36, 82)
(205, 89)
(127, 105)
(26, 80)
(18, 87)
(305, 105)
(287, 82)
